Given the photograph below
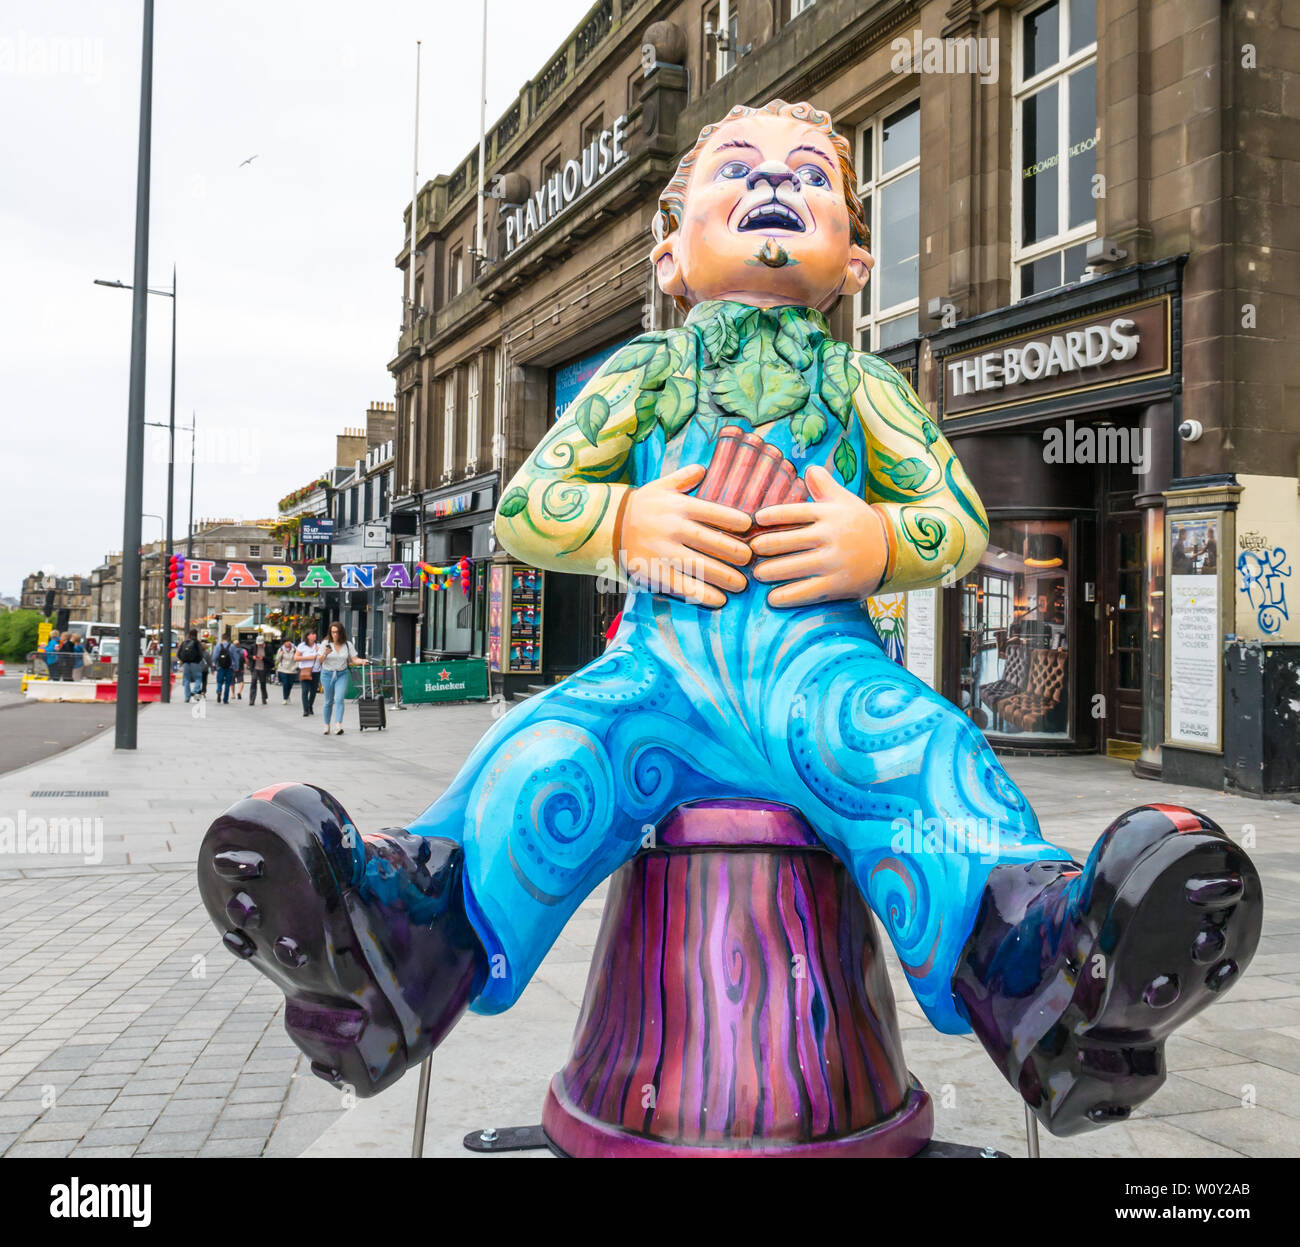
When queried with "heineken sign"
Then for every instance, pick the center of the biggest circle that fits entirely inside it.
(452, 679)
(567, 185)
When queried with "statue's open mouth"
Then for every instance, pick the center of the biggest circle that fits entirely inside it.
(772, 215)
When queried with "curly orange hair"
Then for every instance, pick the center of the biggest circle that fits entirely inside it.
(672, 199)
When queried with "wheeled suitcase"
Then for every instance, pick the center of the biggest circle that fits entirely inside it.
(371, 711)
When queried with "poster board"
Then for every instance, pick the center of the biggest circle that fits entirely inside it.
(516, 594)
(1194, 541)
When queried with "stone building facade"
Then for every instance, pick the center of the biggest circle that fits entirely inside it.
(1084, 218)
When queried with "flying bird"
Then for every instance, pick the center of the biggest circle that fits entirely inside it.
(249, 161)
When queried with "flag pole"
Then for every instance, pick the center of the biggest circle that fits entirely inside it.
(481, 246)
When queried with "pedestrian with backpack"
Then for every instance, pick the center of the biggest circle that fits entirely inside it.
(226, 658)
(190, 656)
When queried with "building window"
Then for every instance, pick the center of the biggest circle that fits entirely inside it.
(591, 129)
(410, 441)
(634, 83)
(254, 552)
(1015, 631)
(471, 414)
(498, 409)
(1054, 138)
(800, 6)
(456, 272)
(721, 36)
(889, 173)
(449, 423)
(232, 552)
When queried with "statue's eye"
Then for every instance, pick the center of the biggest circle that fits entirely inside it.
(734, 169)
(812, 175)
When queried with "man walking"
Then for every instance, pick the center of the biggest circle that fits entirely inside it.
(190, 657)
(260, 661)
(307, 655)
(228, 661)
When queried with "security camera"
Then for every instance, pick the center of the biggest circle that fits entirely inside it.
(1191, 430)
(1104, 251)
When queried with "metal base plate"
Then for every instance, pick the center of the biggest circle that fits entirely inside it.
(532, 1138)
(506, 1139)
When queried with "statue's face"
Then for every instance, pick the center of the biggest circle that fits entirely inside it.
(765, 220)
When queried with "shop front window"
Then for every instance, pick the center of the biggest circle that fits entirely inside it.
(1015, 632)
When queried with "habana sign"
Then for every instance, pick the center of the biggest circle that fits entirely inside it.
(218, 574)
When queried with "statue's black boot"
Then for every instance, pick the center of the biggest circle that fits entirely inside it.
(366, 935)
(1073, 978)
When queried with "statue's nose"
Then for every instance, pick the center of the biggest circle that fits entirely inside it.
(773, 172)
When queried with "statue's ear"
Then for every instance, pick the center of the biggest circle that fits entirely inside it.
(667, 271)
(861, 262)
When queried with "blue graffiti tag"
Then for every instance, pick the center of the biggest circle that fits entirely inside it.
(1262, 583)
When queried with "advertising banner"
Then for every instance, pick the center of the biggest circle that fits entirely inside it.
(452, 679)
(231, 575)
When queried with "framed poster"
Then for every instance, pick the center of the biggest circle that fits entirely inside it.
(524, 618)
(496, 613)
(922, 611)
(1194, 666)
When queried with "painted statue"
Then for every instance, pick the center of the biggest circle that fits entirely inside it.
(752, 481)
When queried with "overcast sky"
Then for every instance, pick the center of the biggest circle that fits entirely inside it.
(289, 301)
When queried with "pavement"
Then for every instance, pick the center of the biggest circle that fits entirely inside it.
(127, 1029)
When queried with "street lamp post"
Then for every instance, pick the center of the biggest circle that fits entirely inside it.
(170, 426)
(128, 667)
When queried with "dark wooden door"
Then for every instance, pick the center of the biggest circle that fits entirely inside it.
(1122, 620)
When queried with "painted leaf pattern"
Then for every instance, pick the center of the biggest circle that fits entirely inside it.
(644, 406)
(635, 355)
(846, 461)
(675, 405)
(839, 380)
(792, 340)
(908, 473)
(513, 503)
(720, 338)
(808, 426)
(590, 415)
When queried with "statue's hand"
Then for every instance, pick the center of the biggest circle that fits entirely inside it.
(673, 543)
(838, 552)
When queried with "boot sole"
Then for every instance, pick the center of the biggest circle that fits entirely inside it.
(1190, 912)
(267, 882)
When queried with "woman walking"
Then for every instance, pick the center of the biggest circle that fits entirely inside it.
(337, 654)
(286, 667)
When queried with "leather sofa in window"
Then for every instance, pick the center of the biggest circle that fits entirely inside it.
(1040, 707)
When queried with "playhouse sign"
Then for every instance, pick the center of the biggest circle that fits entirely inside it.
(603, 154)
